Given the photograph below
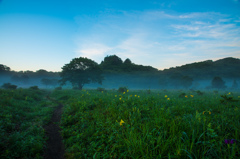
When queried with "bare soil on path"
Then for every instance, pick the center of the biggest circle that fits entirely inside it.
(54, 148)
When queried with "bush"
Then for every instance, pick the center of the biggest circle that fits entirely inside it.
(9, 86)
(182, 95)
(199, 93)
(122, 89)
(101, 89)
(34, 88)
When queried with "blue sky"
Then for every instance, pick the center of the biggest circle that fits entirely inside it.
(46, 34)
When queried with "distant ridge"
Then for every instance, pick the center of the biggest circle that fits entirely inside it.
(227, 67)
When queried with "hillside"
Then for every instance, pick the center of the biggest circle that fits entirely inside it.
(227, 68)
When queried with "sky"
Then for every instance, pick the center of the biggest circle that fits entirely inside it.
(47, 34)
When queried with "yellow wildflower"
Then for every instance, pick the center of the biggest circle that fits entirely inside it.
(209, 112)
(120, 98)
(168, 98)
(135, 95)
(123, 92)
(203, 112)
(127, 90)
(186, 96)
(115, 95)
(121, 122)
(192, 96)
(138, 96)
(165, 96)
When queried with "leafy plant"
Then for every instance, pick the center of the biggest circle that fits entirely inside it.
(227, 99)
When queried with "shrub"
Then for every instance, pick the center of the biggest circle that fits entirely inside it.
(199, 93)
(34, 88)
(9, 86)
(122, 89)
(182, 95)
(101, 89)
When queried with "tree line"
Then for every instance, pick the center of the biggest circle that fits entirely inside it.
(81, 71)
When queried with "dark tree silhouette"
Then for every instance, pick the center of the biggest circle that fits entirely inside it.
(4, 69)
(186, 81)
(218, 83)
(81, 71)
(127, 62)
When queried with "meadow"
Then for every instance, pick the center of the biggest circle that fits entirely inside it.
(150, 124)
(123, 124)
(23, 114)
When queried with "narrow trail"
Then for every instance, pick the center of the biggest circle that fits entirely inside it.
(54, 148)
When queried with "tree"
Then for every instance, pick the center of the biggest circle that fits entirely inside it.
(4, 69)
(186, 81)
(81, 71)
(218, 83)
(51, 82)
(127, 62)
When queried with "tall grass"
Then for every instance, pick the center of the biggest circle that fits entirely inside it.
(149, 124)
(23, 112)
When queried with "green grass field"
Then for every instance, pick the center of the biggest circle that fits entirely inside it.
(23, 113)
(130, 124)
(150, 124)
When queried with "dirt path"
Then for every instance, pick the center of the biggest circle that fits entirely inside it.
(54, 148)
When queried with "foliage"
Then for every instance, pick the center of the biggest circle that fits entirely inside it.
(182, 95)
(4, 68)
(227, 99)
(199, 93)
(99, 89)
(81, 71)
(136, 124)
(9, 86)
(218, 83)
(22, 119)
(122, 89)
(34, 88)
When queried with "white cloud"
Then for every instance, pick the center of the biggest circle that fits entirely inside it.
(92, 50)
(158, 38)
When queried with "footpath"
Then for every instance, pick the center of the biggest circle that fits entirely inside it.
(54, 148)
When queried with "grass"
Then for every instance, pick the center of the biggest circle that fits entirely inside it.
(150, 124)
(23, 112)
(131, 124)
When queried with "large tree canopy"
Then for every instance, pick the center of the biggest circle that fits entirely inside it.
(81, 71)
